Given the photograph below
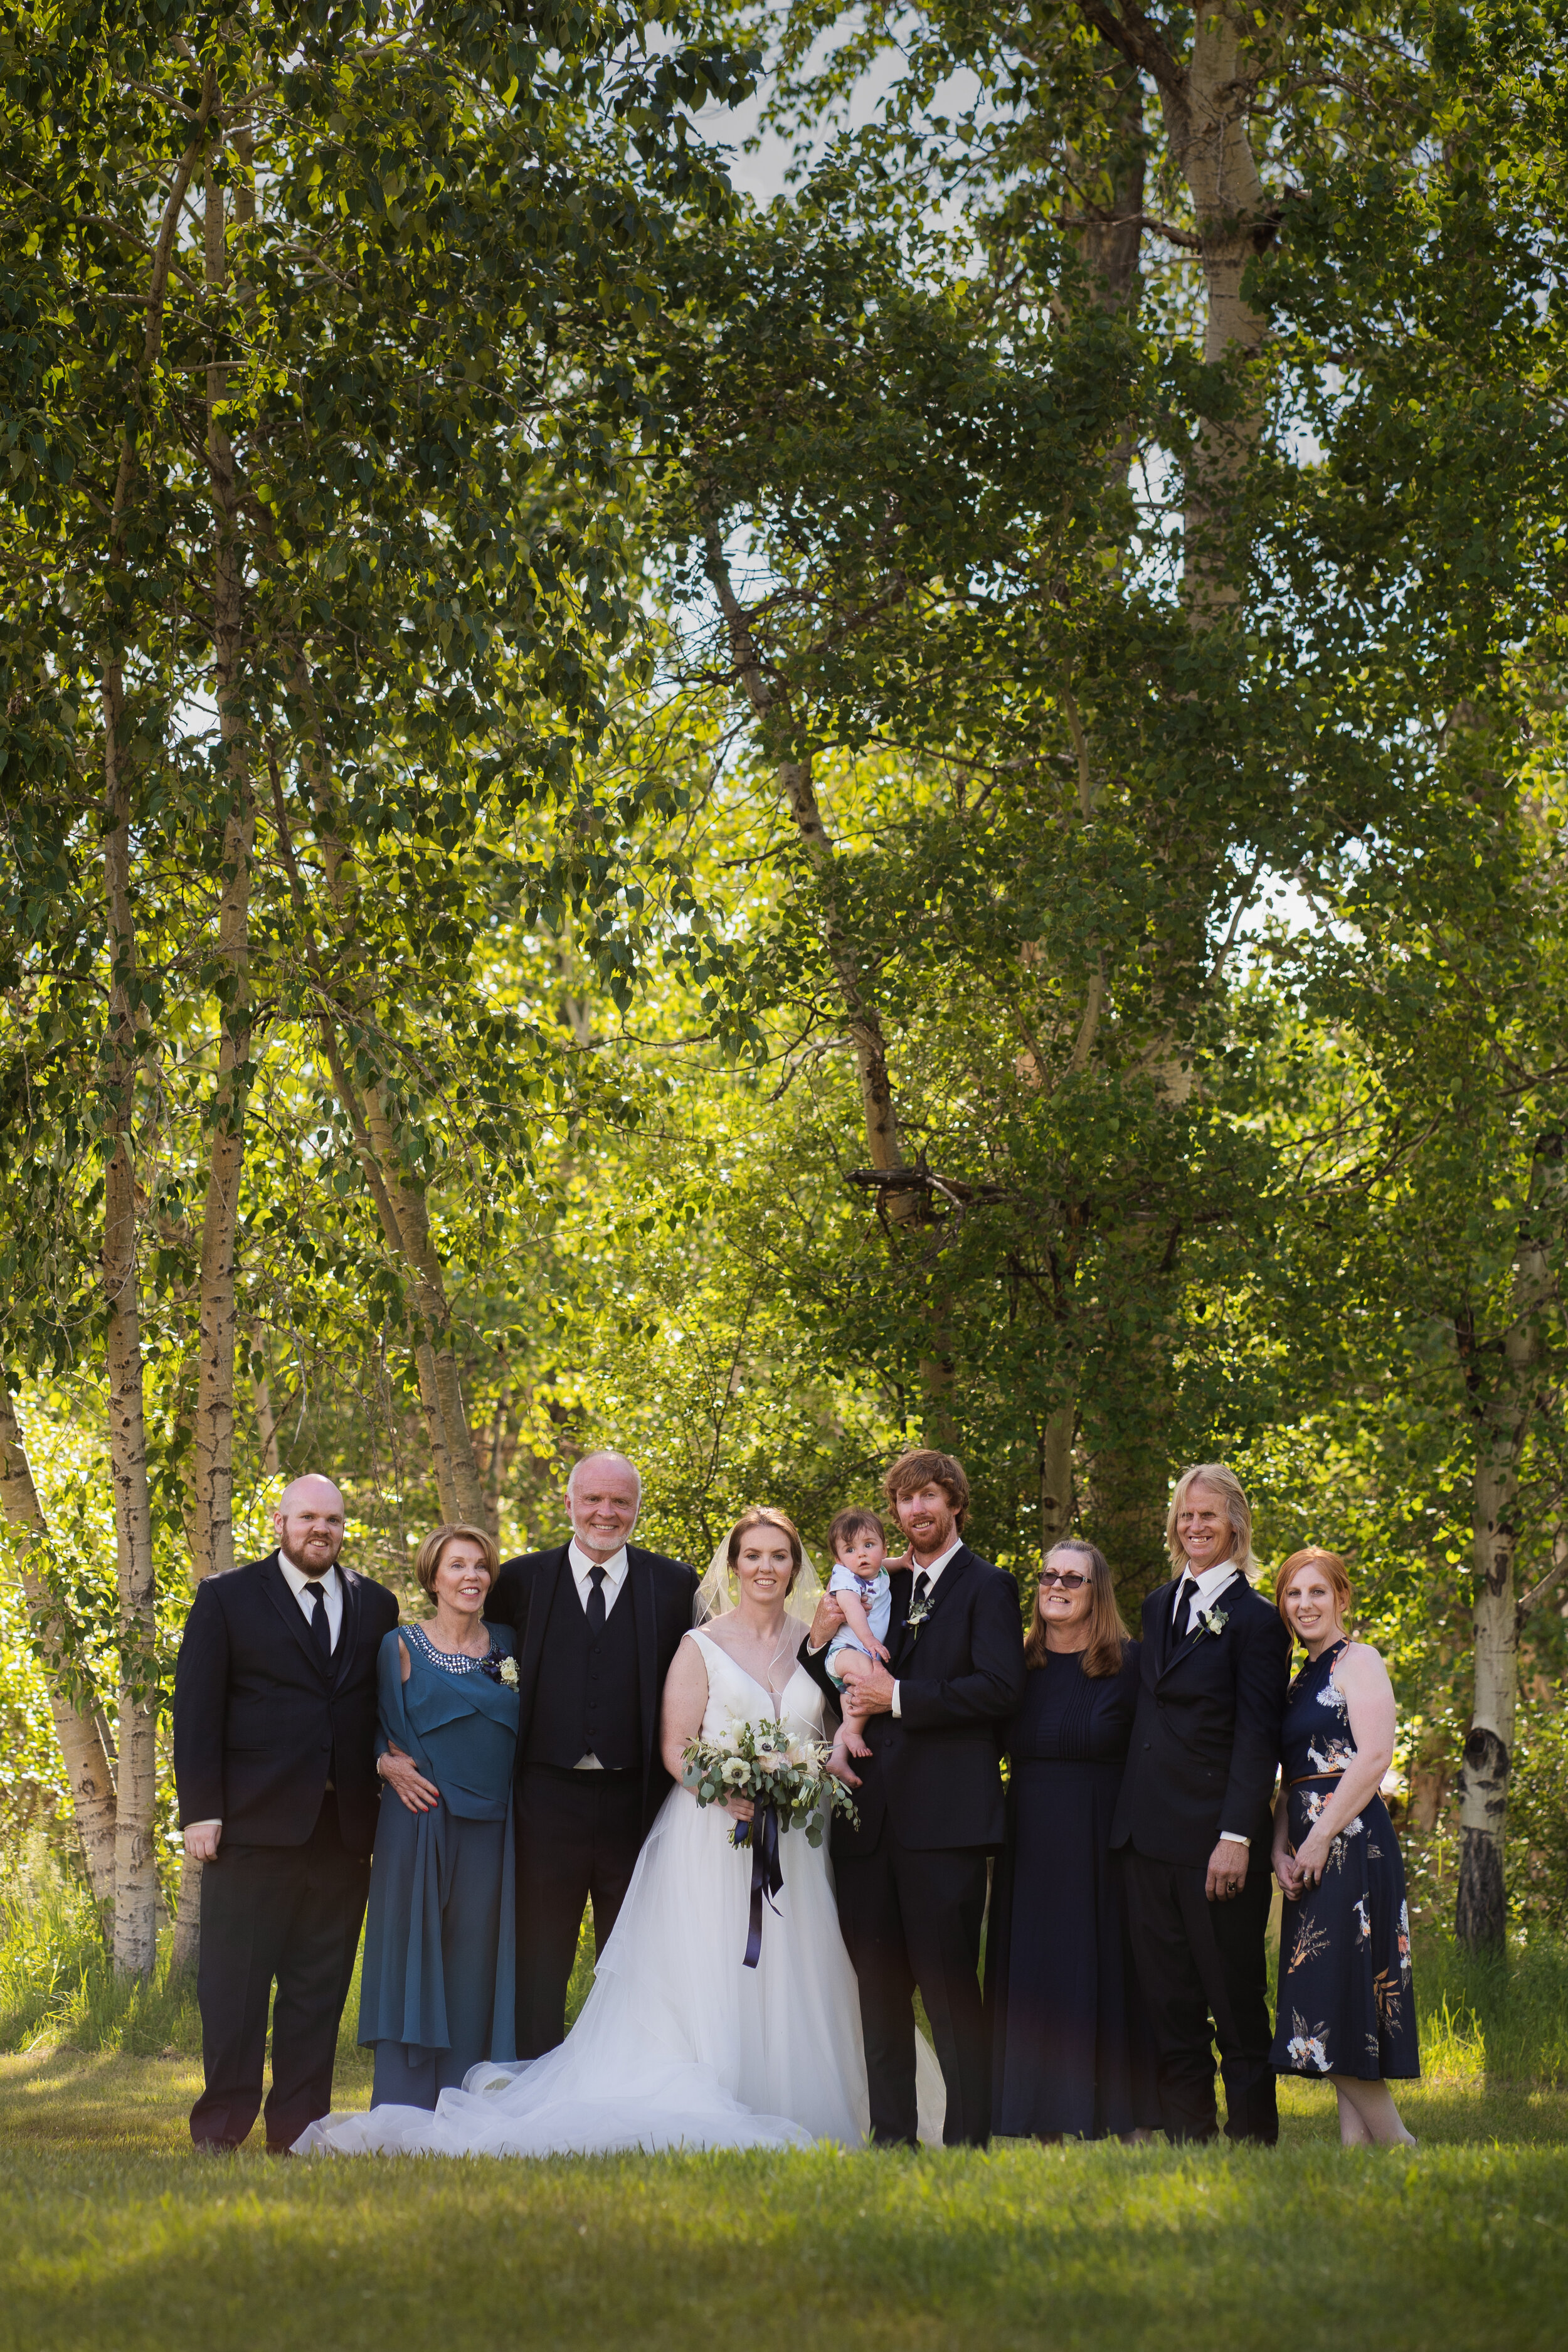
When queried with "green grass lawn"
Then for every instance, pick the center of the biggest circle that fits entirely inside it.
(114, 2235)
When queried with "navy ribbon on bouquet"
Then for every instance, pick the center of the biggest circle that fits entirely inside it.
(762, 1834)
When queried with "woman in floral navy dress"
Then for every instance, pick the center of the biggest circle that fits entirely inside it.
(1347, 2013)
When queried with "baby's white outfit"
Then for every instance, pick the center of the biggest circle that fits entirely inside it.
(874, 1594)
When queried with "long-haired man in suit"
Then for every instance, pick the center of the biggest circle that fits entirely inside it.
(597, 1620)
(275, 1768)
(1192, 1819)
(911, 1876)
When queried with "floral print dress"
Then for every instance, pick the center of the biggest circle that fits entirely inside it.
(1346, 2006)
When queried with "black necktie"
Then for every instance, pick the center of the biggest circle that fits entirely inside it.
(922, 1586)
(320, 1631)
(596, 1603)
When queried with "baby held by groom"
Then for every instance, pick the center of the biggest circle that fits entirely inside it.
(863, 1588)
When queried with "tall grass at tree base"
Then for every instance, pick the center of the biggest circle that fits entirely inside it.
(1501, 2016)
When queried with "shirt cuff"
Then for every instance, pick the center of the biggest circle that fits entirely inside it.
(898, 1688)
(202, 1825)
(1234, 1837)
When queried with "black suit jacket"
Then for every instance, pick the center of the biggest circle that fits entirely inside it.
(934, 1770)
(259, 1720)
(662, 1593)
(1205, 1737)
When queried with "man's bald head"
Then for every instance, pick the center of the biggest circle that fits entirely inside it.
(308, 1523)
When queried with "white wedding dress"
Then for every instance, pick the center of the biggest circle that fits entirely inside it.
(678, 2044)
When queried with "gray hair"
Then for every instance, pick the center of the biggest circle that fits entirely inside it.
(602, 1454)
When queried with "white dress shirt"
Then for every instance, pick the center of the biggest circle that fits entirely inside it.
(931, 1570)
(1198, 1592)
(1195, 1592)
(616, 1568)
(615, 1571)
(303, 1587)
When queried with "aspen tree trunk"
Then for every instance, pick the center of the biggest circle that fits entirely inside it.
(135, 1869)
(1503, 1420)
(798, 791)
(218, 1315)
(883, 1143)
(88, 1772)
(1056, 1477)
(1205, 104)
(400, 1205)
(212, 1530)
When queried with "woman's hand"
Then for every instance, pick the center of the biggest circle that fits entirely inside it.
(739, 1809)
(1312, 1858)
(399, 1773)
(1287, 1872)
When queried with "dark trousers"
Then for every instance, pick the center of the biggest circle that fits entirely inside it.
(1203, 1975)
(283, 1915)
(578, 1838)
(914, 1919)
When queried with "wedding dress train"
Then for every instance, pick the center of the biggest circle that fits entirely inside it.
(678, 2045)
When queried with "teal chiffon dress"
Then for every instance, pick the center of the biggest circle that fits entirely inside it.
(439, 1970)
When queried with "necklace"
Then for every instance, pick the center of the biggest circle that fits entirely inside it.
(455, 1662)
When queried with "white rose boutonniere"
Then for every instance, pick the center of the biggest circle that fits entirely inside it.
(1213, 1620)
(508, 1672)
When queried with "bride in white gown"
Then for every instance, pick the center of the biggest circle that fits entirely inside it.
(678, 2044)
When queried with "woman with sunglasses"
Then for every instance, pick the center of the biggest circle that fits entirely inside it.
(1072, 2055)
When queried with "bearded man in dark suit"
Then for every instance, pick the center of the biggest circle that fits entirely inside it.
(1193, 1817)
(275, 1710)
(911, 1876)
(598, 1622)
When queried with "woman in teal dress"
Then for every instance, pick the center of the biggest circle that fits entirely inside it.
(1347, 2010)
(437, 1986)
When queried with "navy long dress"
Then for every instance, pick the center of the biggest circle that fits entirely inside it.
(1346, 2002)
(436, 1994)
(1071, 2051)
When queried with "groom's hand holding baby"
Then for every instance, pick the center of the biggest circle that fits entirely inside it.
(868, 1688)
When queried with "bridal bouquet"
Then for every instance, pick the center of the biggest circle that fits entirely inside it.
(787, 1776)
(786, 1779)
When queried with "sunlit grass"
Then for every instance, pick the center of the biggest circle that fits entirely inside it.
(115, 2235)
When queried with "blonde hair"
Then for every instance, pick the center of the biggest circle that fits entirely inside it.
(1107, 1636)
(435, 1544)
(1238, 1511)
(1334, 1568)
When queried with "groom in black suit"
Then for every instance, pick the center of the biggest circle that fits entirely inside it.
(1193, 1818)
(275, 1767)
(597, 1622)
(911, 1877)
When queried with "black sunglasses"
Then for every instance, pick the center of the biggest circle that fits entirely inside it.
(1069, 1579)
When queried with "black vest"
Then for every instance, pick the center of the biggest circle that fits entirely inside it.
(586, 1697)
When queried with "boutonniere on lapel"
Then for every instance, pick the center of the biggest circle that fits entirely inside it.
(918, 1613)
(1211, 1620)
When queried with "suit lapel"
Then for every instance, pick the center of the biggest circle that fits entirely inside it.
(541, 1600)
(275, 1586)
(1177, 1651)
(952, 1576)
(348, 1632)
(639, 1575)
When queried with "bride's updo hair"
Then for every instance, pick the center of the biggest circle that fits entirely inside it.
(764, 1515)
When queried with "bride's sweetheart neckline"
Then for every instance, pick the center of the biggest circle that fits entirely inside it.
(766, 1688)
